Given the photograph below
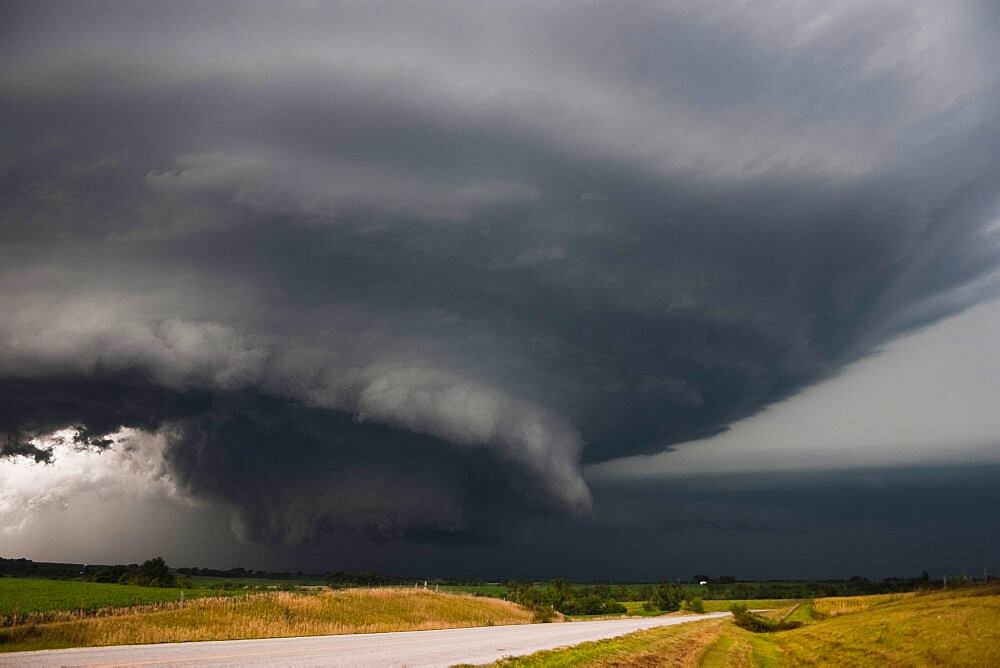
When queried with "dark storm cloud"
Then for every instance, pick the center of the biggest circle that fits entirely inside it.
(877, 522)
(290, 472)
(449, 252)
(32, 408)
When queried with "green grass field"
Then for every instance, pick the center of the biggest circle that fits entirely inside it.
(803, 612)
(27, 596)
(955, 628)
(495, 591)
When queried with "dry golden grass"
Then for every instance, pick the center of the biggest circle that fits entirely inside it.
(955, 628)
(780, 613)
(270, 615)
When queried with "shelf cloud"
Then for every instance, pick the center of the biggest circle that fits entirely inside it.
(405, 273)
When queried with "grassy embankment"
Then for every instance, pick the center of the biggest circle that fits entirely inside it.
(956, 628)
(671, 645)
(266, 615)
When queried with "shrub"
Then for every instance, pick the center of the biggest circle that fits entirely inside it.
(695, 604)
(753, 622)
(666, 597)
(614, 608)
(543, 614)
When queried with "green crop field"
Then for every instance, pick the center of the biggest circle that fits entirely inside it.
(26, 596)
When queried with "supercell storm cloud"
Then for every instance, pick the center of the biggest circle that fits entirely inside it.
(404, 269)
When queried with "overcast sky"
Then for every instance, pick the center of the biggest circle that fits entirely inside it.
(451, 288)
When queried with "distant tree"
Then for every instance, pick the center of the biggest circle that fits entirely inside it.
(666, 597)
(694, 604)
(113, 574)
(614, 608)
(155, 573)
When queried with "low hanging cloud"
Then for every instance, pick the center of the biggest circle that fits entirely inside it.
(404, 275)
(197, 385)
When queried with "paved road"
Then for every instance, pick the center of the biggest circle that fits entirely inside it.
(412, 648)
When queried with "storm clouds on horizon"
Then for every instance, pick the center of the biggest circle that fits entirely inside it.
(428, 276)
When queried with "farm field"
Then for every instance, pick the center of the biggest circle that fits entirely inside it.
(956, 628)
(842, 605)
(267, 615)
(26, 596)
(493, 590)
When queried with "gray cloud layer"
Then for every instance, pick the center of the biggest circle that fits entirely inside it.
(401, 269)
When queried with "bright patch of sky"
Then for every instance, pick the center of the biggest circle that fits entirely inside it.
(929, 398)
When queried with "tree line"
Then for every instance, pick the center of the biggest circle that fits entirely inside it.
(561, 595)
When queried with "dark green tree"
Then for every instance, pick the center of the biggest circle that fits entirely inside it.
(155, 573)
(666, 597)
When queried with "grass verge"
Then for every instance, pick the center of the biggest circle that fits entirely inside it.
(960, 628)
(956, 628)
(683, 643)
